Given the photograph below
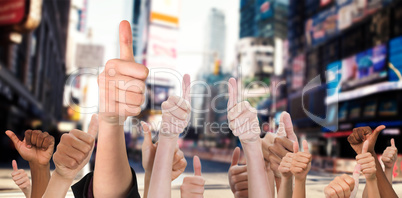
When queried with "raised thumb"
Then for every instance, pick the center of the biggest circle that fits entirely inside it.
(15, 166)
(93, 125)
(197, 166)
(147, 133)
(295, 147)
(365, 146)
(305, 146)
(235, 156)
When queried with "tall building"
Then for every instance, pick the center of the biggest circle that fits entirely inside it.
(215, 36)
(32, 74)
(263, 18)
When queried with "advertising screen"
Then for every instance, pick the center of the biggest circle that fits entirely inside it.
(322, 26)
(298, 67)
(395, 59)
(388, 107)
(364, 68)
(370, 108)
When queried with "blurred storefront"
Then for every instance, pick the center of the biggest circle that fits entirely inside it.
(32, 61)
(344, 69)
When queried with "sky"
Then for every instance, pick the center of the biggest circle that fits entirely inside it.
(104, 17)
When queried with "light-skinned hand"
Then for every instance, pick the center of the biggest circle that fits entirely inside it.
(176, 111)
(340, 187)
(238, 178)
(193, 186)
(286, 164)
(390, 155)
(74, 150)
(301, 162)
(243, 120)
(122, 82)
(367, 162)
(37, 147)
(149, 150)
(22, 180)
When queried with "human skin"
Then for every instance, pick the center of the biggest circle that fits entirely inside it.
(175, 116)
(388, 158)
(244, 124)
(148, 156)
(193, 186)
(73, 153)
(121, 90)
(300, 166)
(21, 179)
(287, 177)
(356, 140)
(275, 147)
(36, 148)
(237, 175)
(340, 187)
(368, 167)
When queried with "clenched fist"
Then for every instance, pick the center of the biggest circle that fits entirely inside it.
(74, 150)
(301, 162)
(22, 180)
(122, 83)
(286, 165)
(176, 112)
(37, 147)
(390, 155)
(362, 134)
(367, 162)
(238, 178)
(193, 187)
(340, 187)
(243, 120)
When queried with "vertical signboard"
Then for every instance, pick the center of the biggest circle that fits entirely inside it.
(165, 12)
(162, 47)
(12, 12)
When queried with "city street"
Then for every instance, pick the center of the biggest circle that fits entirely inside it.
(216, 185)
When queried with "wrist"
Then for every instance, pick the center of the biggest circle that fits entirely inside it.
(62, 178)
(168, 137)
(300, 179)
(39, 166)
(112, 120)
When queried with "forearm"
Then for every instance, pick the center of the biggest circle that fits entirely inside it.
(58, 186)
(147, 180)
(388, 174)
(27, 192)
(382, 182)
(365, 191)
(257, 175)
(112, 175)
(161, 172)
(299, 190)
(40, 178)
(278, 182)
(372, 188)
(285, 191)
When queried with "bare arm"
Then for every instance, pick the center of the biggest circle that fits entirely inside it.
(300, 167)
(161, 173)
(258, 180)
(243, 122)
(112, 175)
(121, 90)
(175, 116)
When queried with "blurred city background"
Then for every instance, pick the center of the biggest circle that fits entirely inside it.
(338, 60)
